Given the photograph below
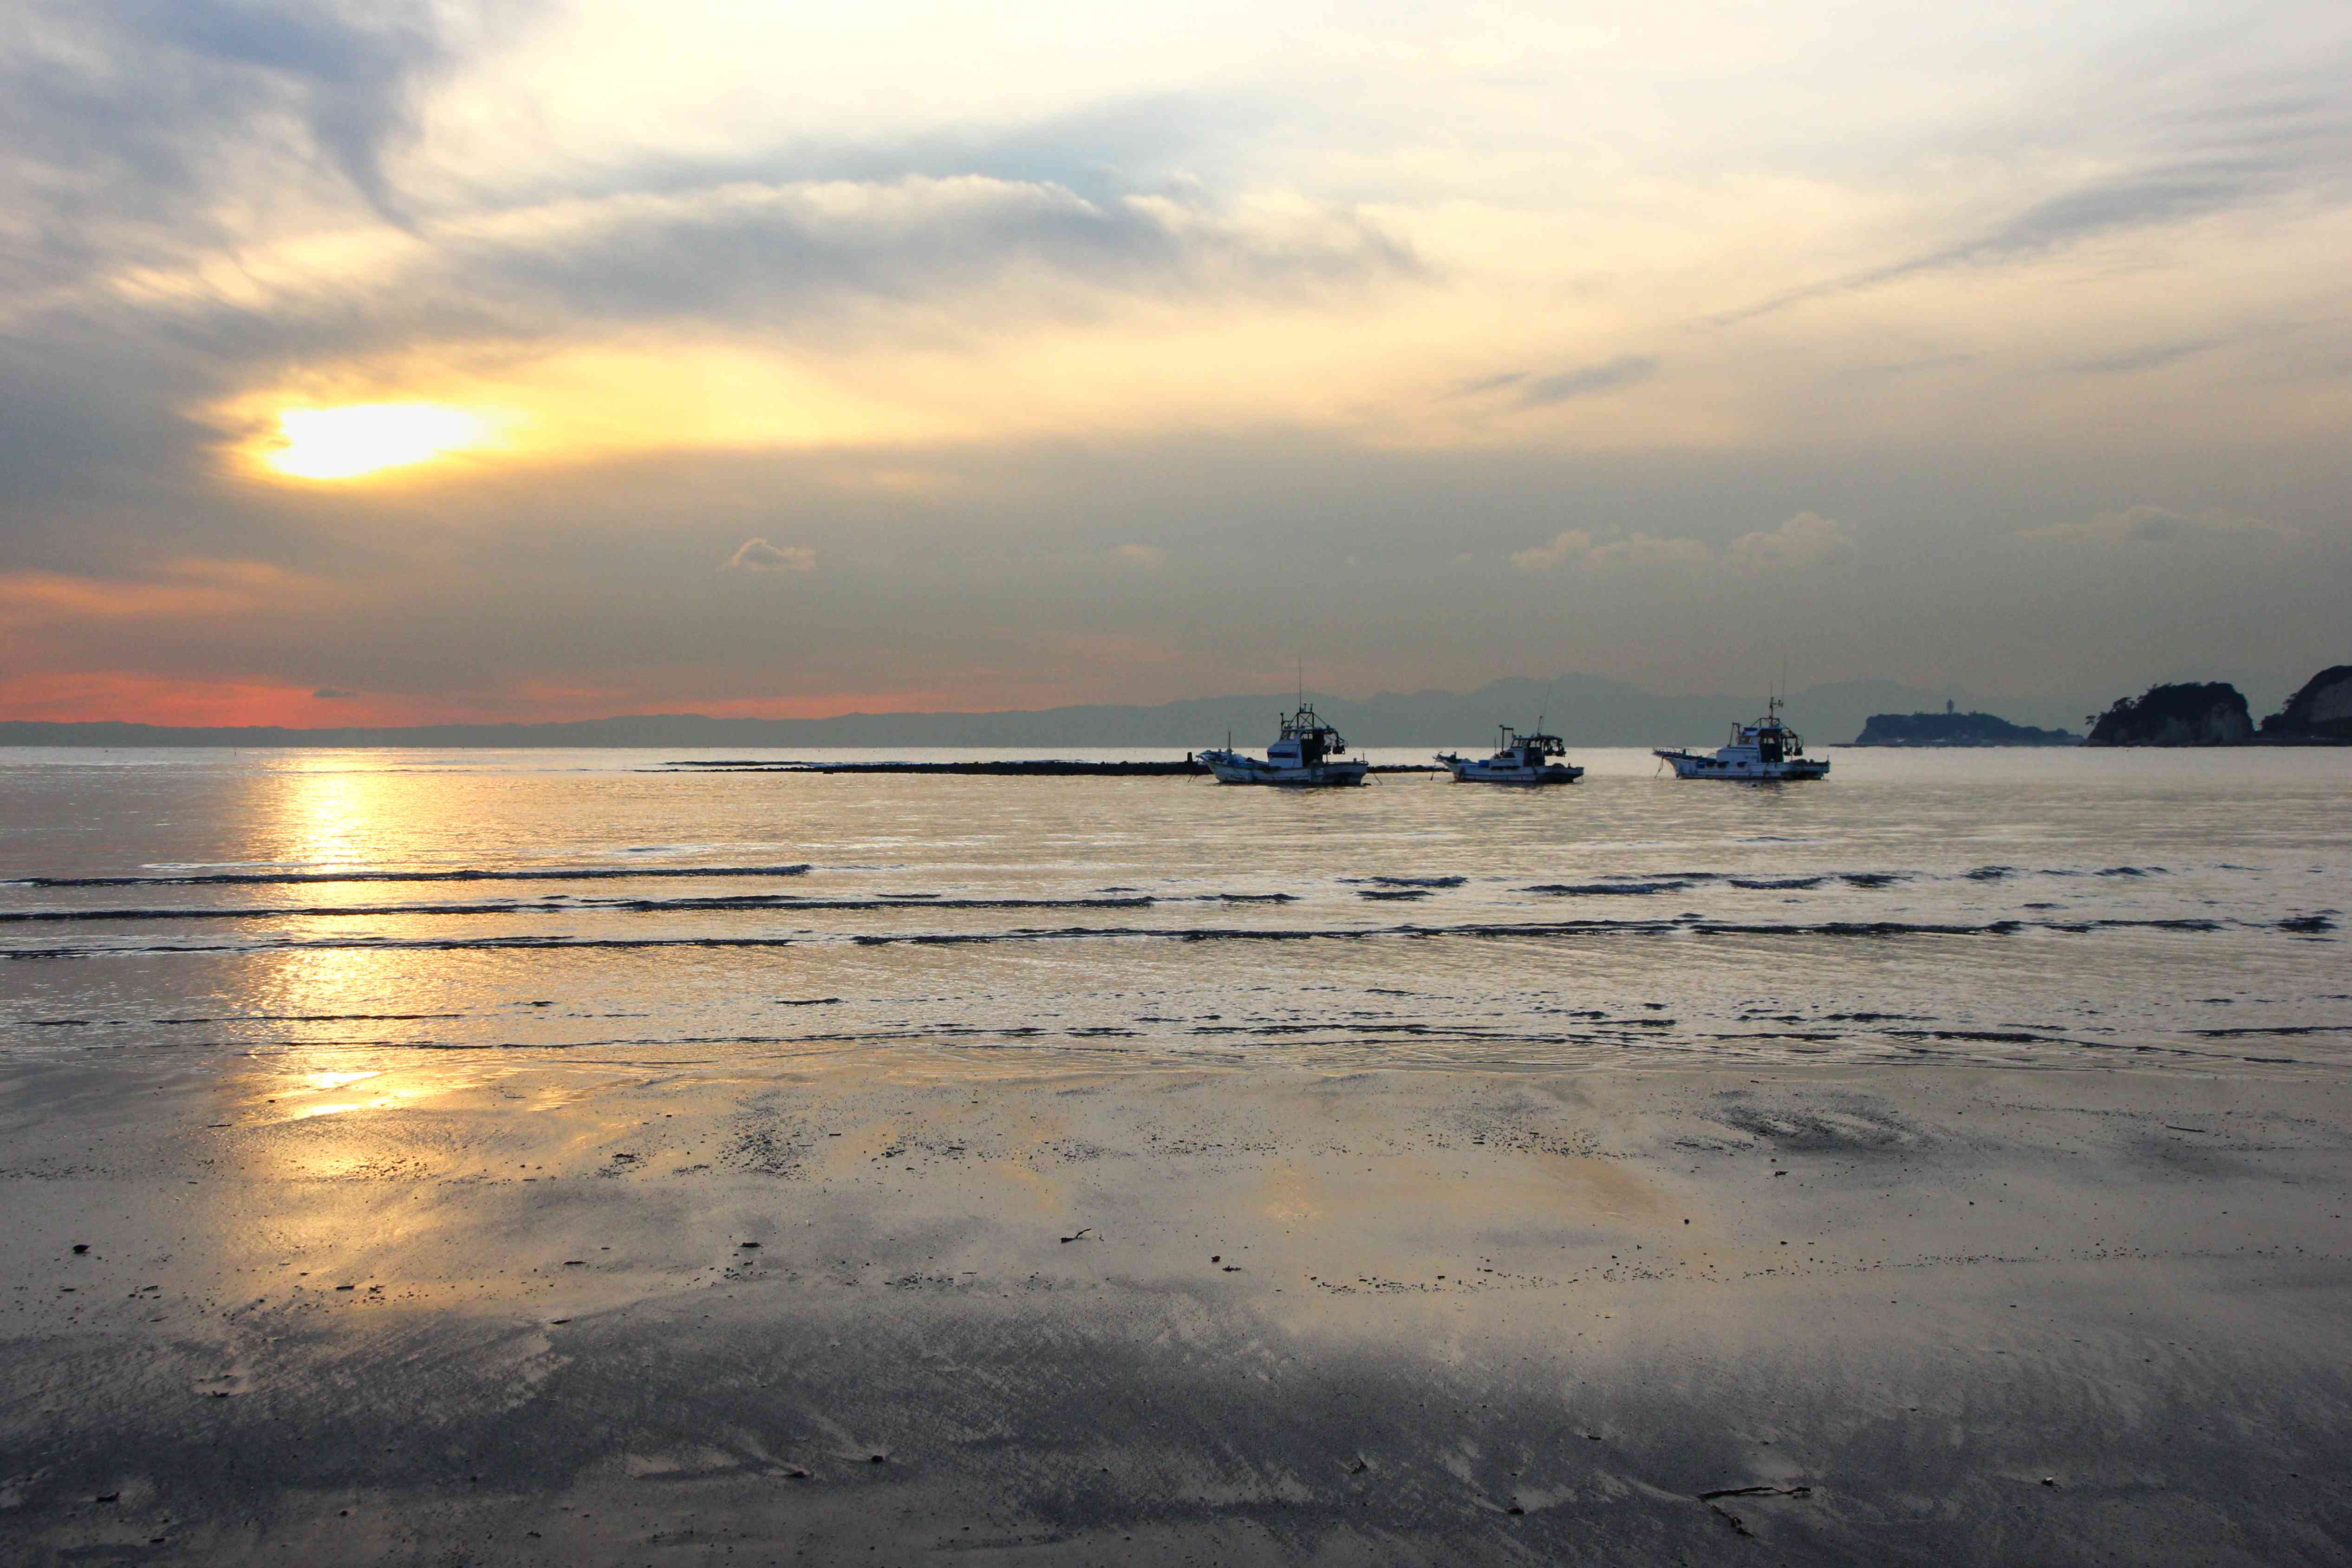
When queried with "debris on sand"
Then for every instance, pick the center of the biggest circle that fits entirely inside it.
(1067, 1239)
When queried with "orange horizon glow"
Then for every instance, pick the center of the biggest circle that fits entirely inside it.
(136, 697)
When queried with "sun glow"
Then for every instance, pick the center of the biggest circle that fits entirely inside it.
(344, 443)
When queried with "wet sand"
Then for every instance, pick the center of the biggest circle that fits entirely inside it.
(499, 1307)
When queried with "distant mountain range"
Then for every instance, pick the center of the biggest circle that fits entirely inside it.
(1588, 710)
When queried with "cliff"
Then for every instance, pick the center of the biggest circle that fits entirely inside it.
(2209, 712)
(1956, 729)
(2322, 710)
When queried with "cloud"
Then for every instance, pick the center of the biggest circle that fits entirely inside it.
(179, 590)
(759, 555)
(2146, 525)
(1143, 557)
(1479, 384)
(1626, 371)
(144, 110)
(2152, 357)
(333, 695)
(1804, 539)
(2175, 145)
(1636, 551)
(348, 70)
(834, 262)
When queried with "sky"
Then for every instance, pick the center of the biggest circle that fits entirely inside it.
(429, 359)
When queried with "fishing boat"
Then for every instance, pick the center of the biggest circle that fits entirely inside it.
(1765, 752)
(1308, 753)
(1517, 759)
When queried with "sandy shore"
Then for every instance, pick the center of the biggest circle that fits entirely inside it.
(503, 1307)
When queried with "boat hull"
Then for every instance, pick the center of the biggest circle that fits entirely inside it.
(1523, 778)
(1742, 770)
(1322, 776)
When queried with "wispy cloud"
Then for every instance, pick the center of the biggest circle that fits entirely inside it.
(1479, 385)
(179, 590)
(1588, 380)
(2149, 525)
(759, 555)
(2178, 144)
(1806, 539)
(147, 111)
(2154, 356)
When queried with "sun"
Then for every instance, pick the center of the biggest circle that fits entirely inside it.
(344, 443)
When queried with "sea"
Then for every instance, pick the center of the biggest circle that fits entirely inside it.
(2038, 908)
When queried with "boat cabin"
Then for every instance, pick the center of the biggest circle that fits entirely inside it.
(1527, 750)
(1773, 741)
(1306, 740)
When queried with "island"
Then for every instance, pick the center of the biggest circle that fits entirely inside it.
(1951, 728)
(2318, 714)
(2213, 713)
(2185, 713)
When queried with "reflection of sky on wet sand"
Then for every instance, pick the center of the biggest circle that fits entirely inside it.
(1536, 1263)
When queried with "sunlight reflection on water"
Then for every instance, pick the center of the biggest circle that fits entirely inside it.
(2033, 907)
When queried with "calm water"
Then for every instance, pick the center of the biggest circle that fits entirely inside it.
(2043, 907)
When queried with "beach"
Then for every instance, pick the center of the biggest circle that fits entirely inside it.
(545, 1159)
(831, 1306)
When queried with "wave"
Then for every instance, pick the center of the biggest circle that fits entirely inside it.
(294, 878)
(1558, 930)
(748, 903)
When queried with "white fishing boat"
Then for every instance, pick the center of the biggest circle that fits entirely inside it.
(1767, 751)
(1309, 754)
(1517, 759)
